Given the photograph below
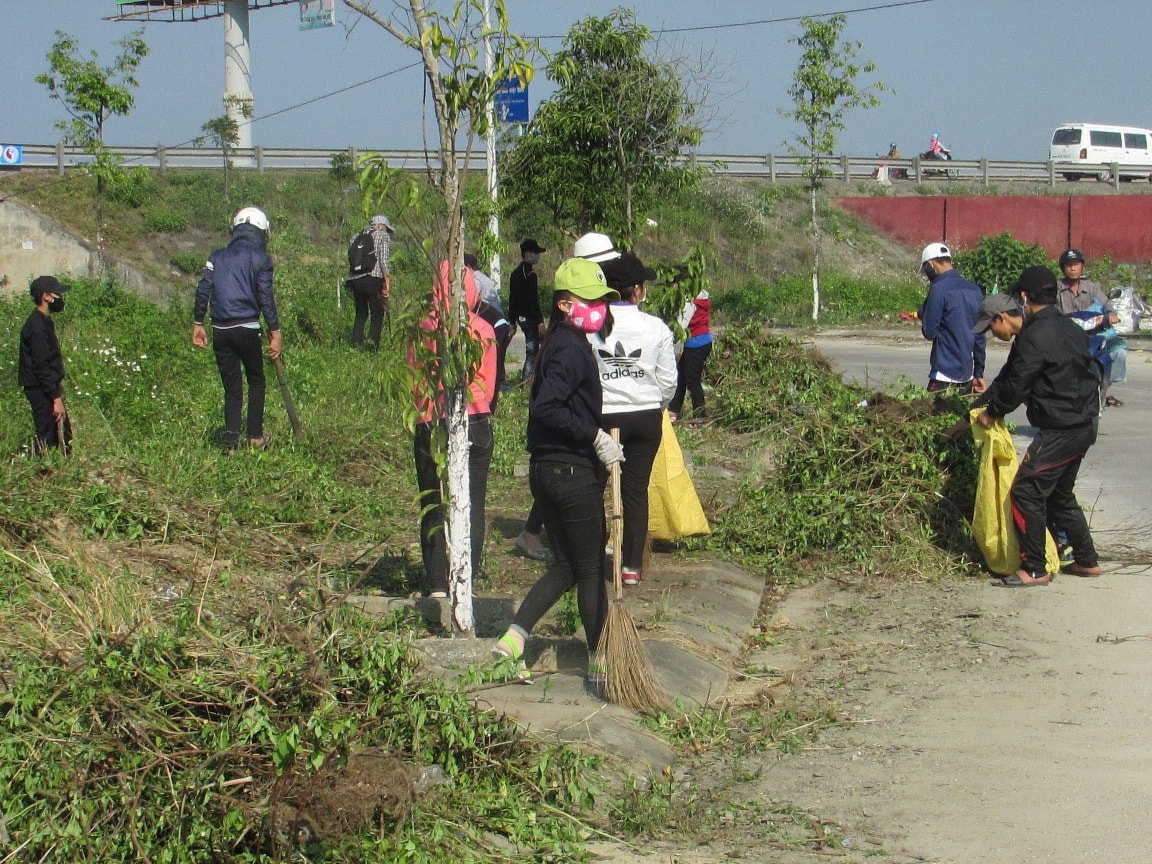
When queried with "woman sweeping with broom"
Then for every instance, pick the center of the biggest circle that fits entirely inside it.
(569, 455)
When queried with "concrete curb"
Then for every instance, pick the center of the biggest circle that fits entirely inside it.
(694, 617)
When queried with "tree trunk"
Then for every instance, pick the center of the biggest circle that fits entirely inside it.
(815, 259)
(456, 483)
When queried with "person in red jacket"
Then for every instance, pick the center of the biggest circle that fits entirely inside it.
(482, 392)
(695, 320)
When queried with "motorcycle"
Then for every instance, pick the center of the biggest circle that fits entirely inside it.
(941, 155)
(882, 171)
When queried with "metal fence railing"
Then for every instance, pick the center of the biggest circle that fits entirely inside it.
(772, 168)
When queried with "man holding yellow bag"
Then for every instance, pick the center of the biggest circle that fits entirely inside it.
(1051, 370)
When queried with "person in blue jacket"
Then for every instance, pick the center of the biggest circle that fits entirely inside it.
(237, 285)
(949, 313)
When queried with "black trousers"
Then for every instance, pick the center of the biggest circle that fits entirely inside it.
(531, 331)
(369, 302)
(239, 357)
(433, 543)
(47, 430)
(690, 378)
(640, 433)
(571, 499)
(1043, 494)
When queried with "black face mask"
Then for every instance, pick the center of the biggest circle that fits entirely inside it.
(56, 305)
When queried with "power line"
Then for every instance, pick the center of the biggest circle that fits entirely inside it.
(787, 20)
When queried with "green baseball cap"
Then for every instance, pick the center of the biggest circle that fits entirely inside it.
(584, 279)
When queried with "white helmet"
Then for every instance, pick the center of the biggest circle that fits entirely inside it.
(595, 247)
(251, 216)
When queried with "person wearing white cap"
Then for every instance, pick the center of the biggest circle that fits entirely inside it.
(949, 313)
(237, 286)
(596, 247)
(370, 277)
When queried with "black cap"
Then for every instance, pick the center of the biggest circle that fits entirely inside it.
(1038, 282)
(47, 285)
(530, 245)
(626, 271)
(1071, 257)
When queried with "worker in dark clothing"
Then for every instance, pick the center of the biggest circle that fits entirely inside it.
(237, 283)
(524, 304)
(1051, 370)
(41, 366)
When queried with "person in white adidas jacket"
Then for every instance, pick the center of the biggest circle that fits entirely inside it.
(636, 357)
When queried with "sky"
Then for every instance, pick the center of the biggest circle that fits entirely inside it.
(993, 77)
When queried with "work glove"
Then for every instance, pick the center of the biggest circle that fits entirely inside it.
(608, 451)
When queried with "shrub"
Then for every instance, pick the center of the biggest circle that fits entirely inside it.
(997, 262)
(165, 222)
(133, 188)
(188, 262)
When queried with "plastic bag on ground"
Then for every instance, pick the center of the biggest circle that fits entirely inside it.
(674, 510)
(992, 527)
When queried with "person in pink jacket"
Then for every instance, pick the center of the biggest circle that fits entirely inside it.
(482, 391)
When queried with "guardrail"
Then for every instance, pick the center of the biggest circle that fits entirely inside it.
(772, 168)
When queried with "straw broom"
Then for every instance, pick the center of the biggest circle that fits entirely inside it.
(630, 678)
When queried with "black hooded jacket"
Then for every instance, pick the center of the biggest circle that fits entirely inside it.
(237, 282)
(1051, 369)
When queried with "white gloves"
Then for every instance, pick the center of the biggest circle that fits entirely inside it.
(607, 450)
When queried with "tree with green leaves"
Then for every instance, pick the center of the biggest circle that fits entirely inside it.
(460, 90)
(91, 94)
(609, 143)
(823, 90)
(224, 132)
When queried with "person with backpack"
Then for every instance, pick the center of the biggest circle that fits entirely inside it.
(370, 278)
(237, 285)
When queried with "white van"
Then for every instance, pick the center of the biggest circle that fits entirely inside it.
(1097, 146)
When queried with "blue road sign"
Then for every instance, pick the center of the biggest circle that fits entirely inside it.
(11, 154)
(512, 101)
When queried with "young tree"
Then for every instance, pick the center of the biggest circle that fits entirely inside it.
(224, 132)
(609, 142)
(823, 90)
(91, 94)
(450, 48)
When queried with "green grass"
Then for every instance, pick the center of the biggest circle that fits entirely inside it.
(166, 610)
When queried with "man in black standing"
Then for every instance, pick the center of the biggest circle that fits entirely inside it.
(1051, 369)
(237, 284)
(524, 303)
(41, 366)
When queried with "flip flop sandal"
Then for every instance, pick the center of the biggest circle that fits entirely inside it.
(1015, 581)
(1113, 402)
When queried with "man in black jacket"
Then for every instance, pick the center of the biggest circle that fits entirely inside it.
(1051, 369)
(524, 303)
(237, 283)
(41, 366)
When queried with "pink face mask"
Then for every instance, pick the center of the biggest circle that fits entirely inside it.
(588, 316)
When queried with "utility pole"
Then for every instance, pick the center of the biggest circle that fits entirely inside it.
(490, 153)
(238, 70)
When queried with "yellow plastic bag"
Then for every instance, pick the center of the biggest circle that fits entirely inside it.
(992, 527)
(674, 511)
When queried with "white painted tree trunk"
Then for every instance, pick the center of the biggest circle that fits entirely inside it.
(815, 260)
(458, 518)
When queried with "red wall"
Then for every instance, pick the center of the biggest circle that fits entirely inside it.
(1119, 226)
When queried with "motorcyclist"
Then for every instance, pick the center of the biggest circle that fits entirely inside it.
(893, 151)
(936, 149)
